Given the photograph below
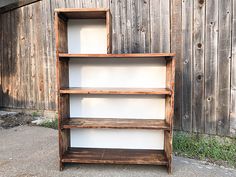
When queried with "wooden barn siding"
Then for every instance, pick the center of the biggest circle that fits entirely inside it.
(202, 33)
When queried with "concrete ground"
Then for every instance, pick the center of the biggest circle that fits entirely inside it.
(32, 151)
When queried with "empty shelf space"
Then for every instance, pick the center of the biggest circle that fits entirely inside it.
(115, 123)
(114, 156)
(116, 91)
(133, 55)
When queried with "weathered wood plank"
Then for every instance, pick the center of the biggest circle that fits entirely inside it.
(211, 48)
(144, 26)
(18, 89)
(176, 47)
(187, 18)
(1, 58)
(116, 24)
(233, 74)
(155, 27)
(5, 82)
(112, 91)
(165, 26)
(152, 124)
(115, 156)
(16, 4)
(13, 57)
(198, 118)
(224, 58)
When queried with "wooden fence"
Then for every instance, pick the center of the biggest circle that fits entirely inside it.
(201, 32)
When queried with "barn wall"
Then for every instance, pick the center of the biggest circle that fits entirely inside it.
(202, 33)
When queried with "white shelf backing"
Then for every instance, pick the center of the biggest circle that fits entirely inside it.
(120, 73)
(114, 138)
(118, 106)
(87, 36)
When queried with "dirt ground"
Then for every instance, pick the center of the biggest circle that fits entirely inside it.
(28, 151)
(13, 119)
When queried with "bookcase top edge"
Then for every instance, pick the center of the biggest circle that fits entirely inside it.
(139, 55)
(81, 9)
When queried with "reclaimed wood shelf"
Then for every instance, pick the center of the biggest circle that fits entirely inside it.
(127, 55)
(92, 84)
(115, 156)
(154, 124)
(116, 91)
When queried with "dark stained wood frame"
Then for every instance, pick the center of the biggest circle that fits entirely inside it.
(85, 13)
(112, 156)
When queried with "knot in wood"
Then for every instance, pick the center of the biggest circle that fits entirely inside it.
(209, 98)
(199, 45)
(186, 61)
(199, 77)
(201, 1)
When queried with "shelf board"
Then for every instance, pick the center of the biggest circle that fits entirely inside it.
(116, 91)
(130, 55)
(83, 13)
(114, 156)
(115, 123)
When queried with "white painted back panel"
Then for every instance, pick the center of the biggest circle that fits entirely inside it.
(118, 106)
(87, 36)
(113, 138)
(124, 73)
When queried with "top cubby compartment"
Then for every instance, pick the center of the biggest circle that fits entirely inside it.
(83, 31)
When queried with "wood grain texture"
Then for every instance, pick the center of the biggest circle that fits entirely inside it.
(211, 57)
(224, 58)
(198, 116)
(233, 74)
(16, 4)
(116, 123)
(1, 58)
(176, 47)
(114, 156)
(187, 40)
(117, 91)
(128, 55)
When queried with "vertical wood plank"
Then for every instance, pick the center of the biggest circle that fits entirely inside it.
(176, 47)
(224, 56)
(18, 62)
(128, 23)
(144, 26)
(233, 74)
(13, 57)
(169, 111)
(198, 66)
(5, 65)
(187, 18)
(1, 58)
(165, 26)
(155, 25)
(135, 45)
(211, 44)
(116, 25)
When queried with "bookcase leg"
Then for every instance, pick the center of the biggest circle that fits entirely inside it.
(61, 166)
(169, 168)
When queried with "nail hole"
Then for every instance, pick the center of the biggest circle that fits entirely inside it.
(209, 99)
(199, 77)
(185, 61)
(199, 45)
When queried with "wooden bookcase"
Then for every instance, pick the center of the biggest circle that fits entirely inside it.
(108, 104)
